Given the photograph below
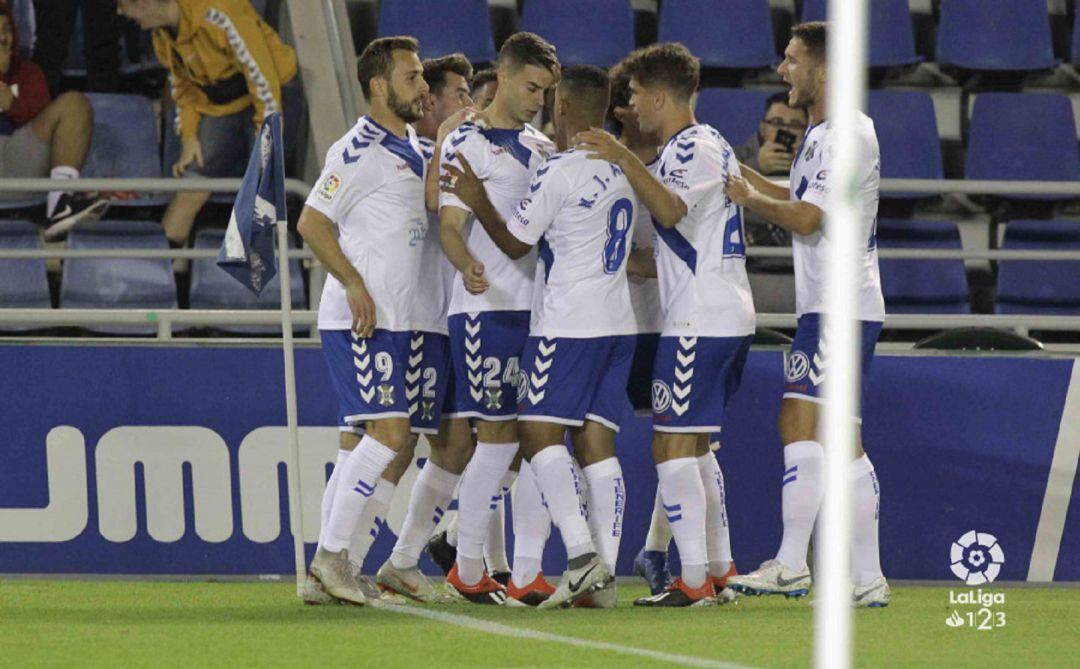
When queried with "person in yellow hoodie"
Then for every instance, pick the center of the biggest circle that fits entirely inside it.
(226, 70)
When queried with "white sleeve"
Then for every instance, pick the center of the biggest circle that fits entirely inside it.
(347, 178)
(693, 169)
(535, 214)
(469, 143)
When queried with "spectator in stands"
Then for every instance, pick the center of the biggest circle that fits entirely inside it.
(101, 27)
(771, 151)
(484, 84)
(39, 137)
(226, 70)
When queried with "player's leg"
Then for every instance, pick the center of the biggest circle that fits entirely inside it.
(651, 562)
(452, 456)
(532, 526)
(717, 531)
(495, 542)
(871, 588)
(313, 591)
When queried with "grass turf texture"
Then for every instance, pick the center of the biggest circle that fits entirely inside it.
(91, 624)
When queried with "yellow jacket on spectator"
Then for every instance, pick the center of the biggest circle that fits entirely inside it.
(223, 58)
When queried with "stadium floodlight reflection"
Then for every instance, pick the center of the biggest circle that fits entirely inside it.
(846, 90)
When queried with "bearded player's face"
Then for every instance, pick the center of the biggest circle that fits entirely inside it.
(407, 88)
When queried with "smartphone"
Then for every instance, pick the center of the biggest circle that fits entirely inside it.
(786, 138)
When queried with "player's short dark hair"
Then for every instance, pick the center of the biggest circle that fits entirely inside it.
(524, 48)
(377, 59)
(484, 77)
(589, 87)
(669, 65)
(620, 95)
(813, 35)
(779, 98)
(436, 69)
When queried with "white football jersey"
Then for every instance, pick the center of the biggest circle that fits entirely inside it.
(372, 188)
(809, 176)
(580, 215)
(505, 160)
(645, 293)
(436, 273)
(701, 262)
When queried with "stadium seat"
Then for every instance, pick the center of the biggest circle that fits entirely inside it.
(598, 32)
(1015, 35)
(735, 112)
(892, 35)
(722, 33)
(919, 286)
(1029, 136)
(112, 283)
(908, 137)
(124, 144)
(1076, 38)
(24, 284)
(214, 288)
(1047, 287)
(442, 26)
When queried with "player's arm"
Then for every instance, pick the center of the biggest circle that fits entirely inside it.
(642, 263)
(431, 182)
(763, 183)
(666, 207)
(318, 232)
(451, 223)
(800, 217)
(468, 188)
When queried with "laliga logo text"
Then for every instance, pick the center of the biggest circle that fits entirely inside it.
(976, 559)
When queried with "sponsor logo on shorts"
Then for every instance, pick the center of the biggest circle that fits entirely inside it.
(798, 366)
(661, 396)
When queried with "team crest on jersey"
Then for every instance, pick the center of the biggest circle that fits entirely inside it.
(427, 409)
(386, 394)
(661, 396)
(329, 187)
(798, 366)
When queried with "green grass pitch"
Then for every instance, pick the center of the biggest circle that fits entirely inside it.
(137, 624)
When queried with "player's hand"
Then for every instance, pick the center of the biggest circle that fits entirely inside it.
(7, 97)
(463, 183)
(641, 264)
(601, 145)
(474, 279)
(362, 308)
(739, 190)
(463, 115)
(774, 158)
(191, 151)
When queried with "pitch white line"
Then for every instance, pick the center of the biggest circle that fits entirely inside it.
(1059, 486)
(518, 633)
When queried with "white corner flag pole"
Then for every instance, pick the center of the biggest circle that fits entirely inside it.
(296, 506)
(846, 90)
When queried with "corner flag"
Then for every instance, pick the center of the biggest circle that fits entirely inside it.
(248, 250)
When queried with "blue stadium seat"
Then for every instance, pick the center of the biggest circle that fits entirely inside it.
(111, 283)
(922, 286)
(1029, 136)
(1076, 38)
(214, 288)
(1046, 287)
(722, 33)
(442, 26)
(908, 137)
(125, 143)
(597, 32)
(1001, 36)
(735, 112)
(24, 284)
(892, 34)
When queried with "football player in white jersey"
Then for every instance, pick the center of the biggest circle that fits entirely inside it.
(489, 307)
(372, 189)
(800, 209)
(579, 213)
(704, 292)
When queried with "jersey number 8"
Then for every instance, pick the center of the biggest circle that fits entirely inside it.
(620, 217)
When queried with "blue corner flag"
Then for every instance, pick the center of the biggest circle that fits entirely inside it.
(248, 250)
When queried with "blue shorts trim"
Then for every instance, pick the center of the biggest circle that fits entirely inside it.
(369, 375)
(693, 379)
(806, 366)
(639, 387)
(569, 381)
(485, 352)
(428, 380)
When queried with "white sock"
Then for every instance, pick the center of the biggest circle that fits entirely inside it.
(58, 172)
(804, 462)
(607, 504)
(558, 482)
(495, 543)
(430, 496)
(371, 521)
(329, 492)
(659, 536)
(451, 525)
(684, 501)
(480, 487)
(532, 525)
(717, 537)
(866, 559)
(360, 473)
